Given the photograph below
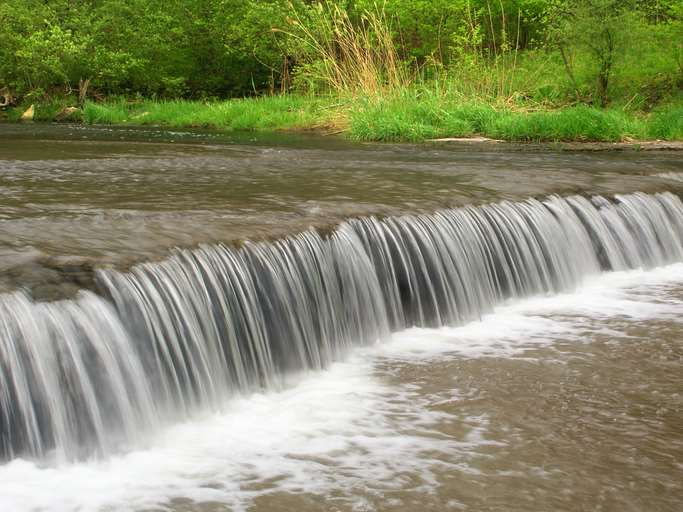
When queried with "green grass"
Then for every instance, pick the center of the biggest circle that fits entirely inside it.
(419, 116)
(667, 123)
(415, 118)
(413, 114)
(580, 123)
(106, 113)
(46, 111)
(264, 113)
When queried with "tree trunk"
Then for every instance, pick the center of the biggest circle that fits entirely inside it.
(606, 60)
(570, 73)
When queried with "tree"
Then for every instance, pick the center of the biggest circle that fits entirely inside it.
(602, 30)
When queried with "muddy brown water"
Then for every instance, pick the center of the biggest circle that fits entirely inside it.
(75, 196)
(589, 420)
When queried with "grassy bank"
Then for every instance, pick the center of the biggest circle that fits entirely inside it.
(411, 115)
(590, 70)
(264, 113)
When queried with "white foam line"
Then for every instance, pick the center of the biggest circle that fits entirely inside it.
(635, 295)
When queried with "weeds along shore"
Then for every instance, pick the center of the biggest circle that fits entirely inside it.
(589, 70)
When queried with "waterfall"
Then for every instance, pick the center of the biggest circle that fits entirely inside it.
(70, 378)
(168, 339)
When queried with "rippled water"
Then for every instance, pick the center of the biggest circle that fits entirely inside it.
(73, 196)
(556, 402)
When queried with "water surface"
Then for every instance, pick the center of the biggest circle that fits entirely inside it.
(74, 196)
(566, 403)
(535, 362)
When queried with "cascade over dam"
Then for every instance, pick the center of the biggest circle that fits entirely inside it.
(187, 333)
(517, 348)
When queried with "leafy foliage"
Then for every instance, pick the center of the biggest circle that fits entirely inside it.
(524, 53)
(196, 48)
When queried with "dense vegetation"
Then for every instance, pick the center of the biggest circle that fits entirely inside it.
(387, 70)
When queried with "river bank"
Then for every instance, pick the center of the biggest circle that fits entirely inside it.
(406, 117)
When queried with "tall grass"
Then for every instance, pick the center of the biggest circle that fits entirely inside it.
(579, 123)
(363, 87)
(417, 115)
(264, 113)
(113, 112)
(667, 124)
(412, 114)
(349, 57)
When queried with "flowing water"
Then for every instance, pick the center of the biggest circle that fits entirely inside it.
(475, 328)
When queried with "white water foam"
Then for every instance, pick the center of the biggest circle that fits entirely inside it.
(673, 176)
(343, 432)
(635, 295)
(333, 430)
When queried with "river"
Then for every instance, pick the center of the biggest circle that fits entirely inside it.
(480, 327)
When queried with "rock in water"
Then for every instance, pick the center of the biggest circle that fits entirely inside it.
(28, 115)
